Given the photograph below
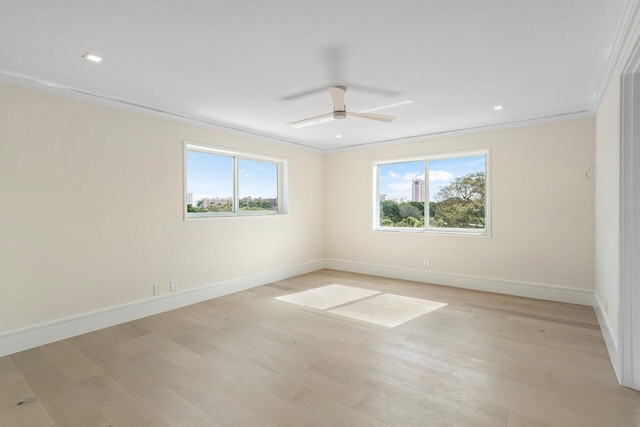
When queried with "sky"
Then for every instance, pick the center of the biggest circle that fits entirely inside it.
(395, 178)
(211, 175)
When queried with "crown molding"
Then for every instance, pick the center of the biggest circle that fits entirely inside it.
(617, 49)
(471, 130)
(123, 104)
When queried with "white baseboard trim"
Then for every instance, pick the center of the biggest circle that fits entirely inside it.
(44, 333)
(509, 287)
(610, 338)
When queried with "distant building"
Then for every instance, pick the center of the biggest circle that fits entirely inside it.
(190, 198)
(383, 197)
(417, 190)
(223, 200)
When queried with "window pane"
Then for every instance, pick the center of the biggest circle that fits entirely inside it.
(402, 194)
(457, 192)
(257, 185)
(209, 182)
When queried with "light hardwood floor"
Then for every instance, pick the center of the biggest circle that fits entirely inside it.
(250, 360)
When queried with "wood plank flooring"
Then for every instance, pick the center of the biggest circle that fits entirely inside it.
(250, 360)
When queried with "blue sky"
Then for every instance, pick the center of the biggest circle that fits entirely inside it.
(258, 179)
(211, 175)
(395, 179)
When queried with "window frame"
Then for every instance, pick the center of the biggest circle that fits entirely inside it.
(428, 229)
(282, 198)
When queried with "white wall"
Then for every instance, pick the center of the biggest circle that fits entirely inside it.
(91, 210)
(92, 197)
(607, 205)
(542, 225)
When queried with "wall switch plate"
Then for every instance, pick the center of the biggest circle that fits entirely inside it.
(157, 289)
(425, 263)
(173, 286)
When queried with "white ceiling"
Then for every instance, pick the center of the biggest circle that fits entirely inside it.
(257, 65)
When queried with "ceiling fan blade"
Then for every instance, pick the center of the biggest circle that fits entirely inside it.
(384, 107)
(337, 94)
(377, 117)
(312, 121)
(303, 94)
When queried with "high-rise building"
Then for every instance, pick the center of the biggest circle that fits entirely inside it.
(417, 190)
(190, 198)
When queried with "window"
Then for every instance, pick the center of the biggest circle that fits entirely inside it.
(445, 193)
(224, 183)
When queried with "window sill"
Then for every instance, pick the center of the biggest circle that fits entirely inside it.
(233, 215)
(448, 232)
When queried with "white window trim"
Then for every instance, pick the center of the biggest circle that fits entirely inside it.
(486, 232)
(283, 200)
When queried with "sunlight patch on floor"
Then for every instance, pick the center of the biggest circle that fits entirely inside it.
(363, 304)
(388, 309)
(327, 297)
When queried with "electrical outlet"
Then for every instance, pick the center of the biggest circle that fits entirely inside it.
(157, 289)
(173, 286)
(425, 263)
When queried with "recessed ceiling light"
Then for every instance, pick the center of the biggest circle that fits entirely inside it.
(498, 107)
(338, 136)
(92, 57)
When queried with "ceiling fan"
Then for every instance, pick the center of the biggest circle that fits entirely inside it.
(339, 112)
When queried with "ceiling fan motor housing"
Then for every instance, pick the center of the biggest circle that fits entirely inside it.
(339, 111)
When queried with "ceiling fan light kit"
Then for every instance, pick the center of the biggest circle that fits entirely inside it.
(339, 112)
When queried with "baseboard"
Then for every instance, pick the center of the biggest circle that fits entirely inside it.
(44, 333)
(610, 338)
(509, 287)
